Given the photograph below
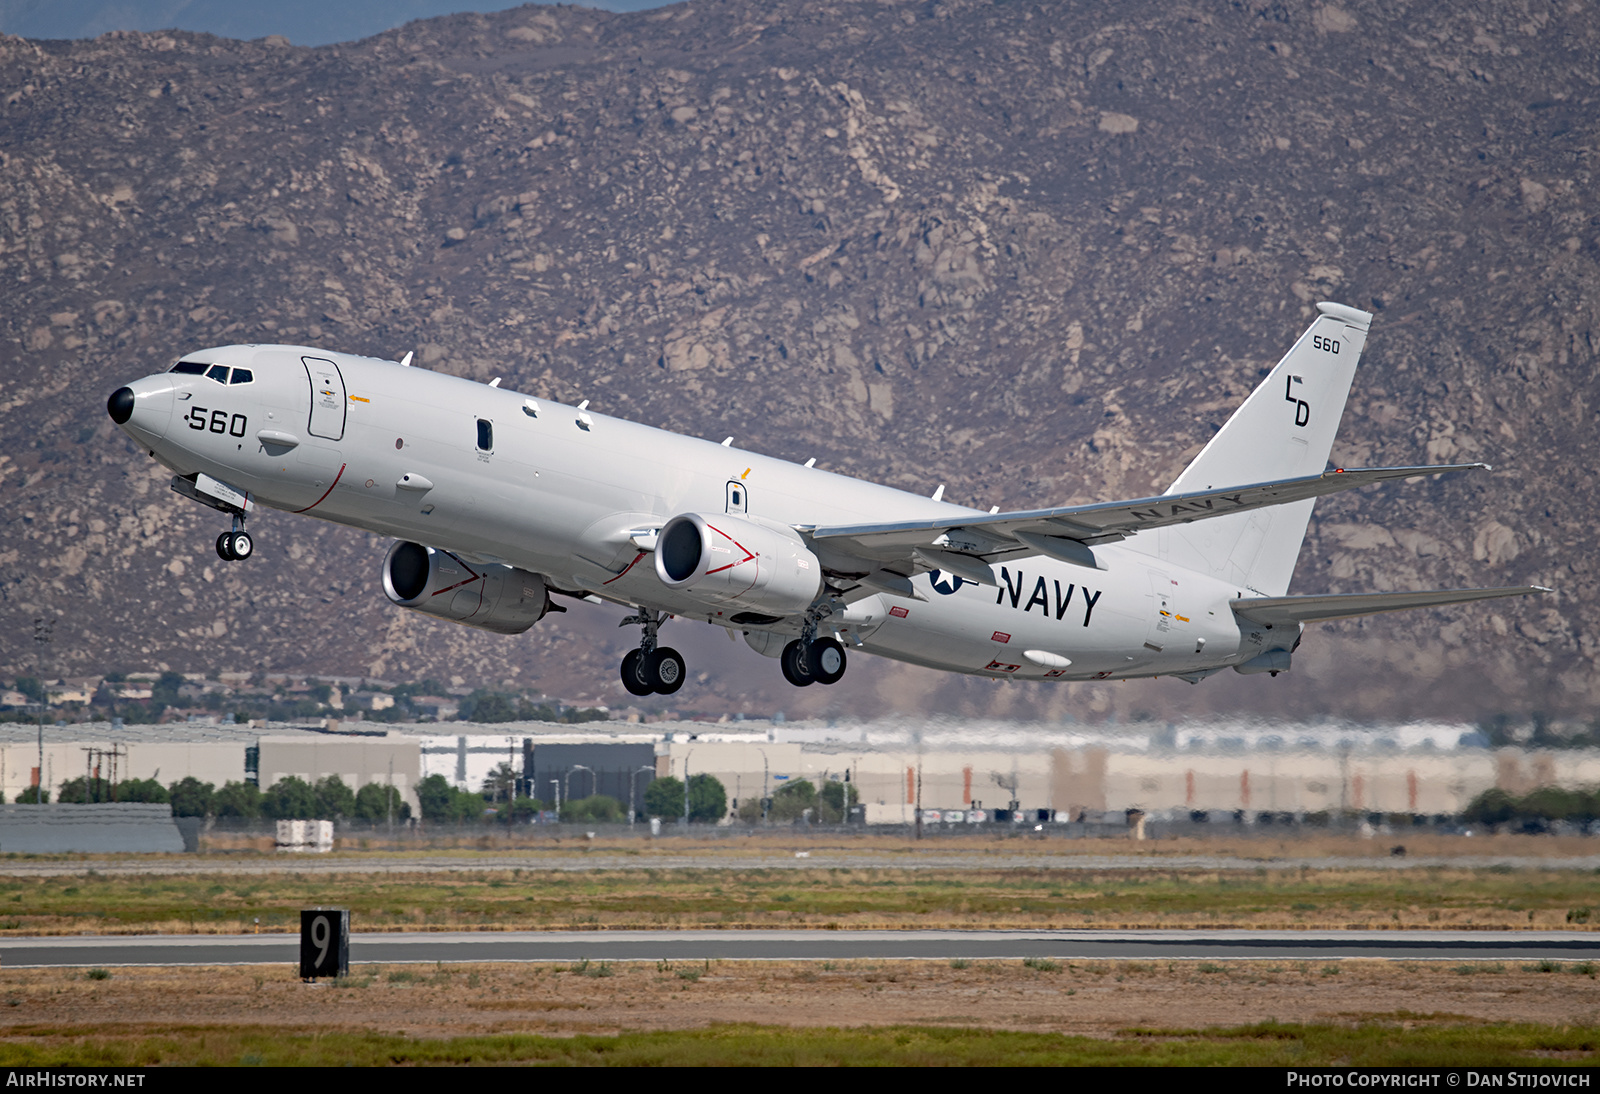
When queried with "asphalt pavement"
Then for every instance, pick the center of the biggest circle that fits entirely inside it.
(815, 945)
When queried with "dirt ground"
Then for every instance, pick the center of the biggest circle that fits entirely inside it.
(1094, 999)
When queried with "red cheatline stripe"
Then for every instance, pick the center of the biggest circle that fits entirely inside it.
(747, 555)
(326, 492)
(475, 576)
(626, 568)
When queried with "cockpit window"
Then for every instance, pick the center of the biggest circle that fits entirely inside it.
(219, 373)
(242, 376)
(190, 368)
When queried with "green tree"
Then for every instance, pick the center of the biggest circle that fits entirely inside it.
(30, 796)
(1493, 806)
(435, 795)
(1555, 803)
(83, 790)
(500, 784)
(334, 798)
(164, 692)
(489, 706)
(31, 687)
(835, 798)
(708, 799)
(142, 790)
(792, 800)
(191, 798)
(375, 800)
(664, 798)
(595, 809)
(522, 810)
(290, 798)
(237, 799)
(442, 802)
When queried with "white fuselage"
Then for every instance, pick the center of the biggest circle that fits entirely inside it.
(559, 491)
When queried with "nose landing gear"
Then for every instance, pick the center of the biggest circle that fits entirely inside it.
(652, 669)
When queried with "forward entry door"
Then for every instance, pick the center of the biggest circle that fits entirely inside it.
(327, 398)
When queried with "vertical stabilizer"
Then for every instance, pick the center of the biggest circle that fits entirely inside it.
(1284, 429)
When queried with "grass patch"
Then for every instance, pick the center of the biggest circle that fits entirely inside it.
(730, 895)
(1271, 1044)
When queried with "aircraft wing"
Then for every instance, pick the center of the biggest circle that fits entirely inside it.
(1066, 532)
(1314, 609)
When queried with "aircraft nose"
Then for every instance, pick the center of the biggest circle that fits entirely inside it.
(120, 405)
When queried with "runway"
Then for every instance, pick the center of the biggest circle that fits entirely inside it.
(578, 861)
(820, 945)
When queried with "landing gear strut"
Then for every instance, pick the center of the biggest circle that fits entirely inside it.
(812, 660)
(235, 546)
(652, 668)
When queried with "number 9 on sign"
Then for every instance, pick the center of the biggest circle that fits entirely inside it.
(324, 943)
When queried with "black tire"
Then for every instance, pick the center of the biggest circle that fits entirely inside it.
(796, 668)
(827, 661)
(225, 546)
(241, 546)
(665, 669)
(633, 675)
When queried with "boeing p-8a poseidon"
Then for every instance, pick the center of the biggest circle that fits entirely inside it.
(497, 501)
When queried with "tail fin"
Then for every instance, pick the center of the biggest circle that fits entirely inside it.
(1284, 429)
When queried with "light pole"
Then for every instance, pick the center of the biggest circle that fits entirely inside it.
(686, 756)
(764, 769)
(41, 636)
(557, 784)
(593, 784)
(633, 790)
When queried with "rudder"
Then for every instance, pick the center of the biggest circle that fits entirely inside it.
(1285, 429)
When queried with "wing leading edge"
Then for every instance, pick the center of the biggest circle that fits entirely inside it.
(1069, 531)
(1276, 610)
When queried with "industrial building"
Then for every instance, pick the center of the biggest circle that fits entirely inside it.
(1045, 772)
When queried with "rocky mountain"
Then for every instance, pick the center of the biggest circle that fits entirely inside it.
(1036, 251)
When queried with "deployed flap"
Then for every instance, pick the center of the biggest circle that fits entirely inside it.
(1104, 522)
(1275, 610)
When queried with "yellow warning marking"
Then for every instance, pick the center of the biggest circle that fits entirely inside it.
(745, 475)
(359, 399)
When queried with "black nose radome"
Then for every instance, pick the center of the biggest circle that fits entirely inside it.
(120, 405)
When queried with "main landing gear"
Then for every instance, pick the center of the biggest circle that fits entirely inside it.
(652, 669)
(812, 660)
(235, 546)
(820, 662)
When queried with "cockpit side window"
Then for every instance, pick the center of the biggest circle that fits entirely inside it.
(242, 376)
(190, 368)
(219, 373)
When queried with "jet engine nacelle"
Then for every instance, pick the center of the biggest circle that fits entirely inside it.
(1273, 661)
(727, 560)
(496, 598)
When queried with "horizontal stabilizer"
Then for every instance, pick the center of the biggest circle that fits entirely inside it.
(1275, 610)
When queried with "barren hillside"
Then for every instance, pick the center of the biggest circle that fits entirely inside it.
(1034, 251)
